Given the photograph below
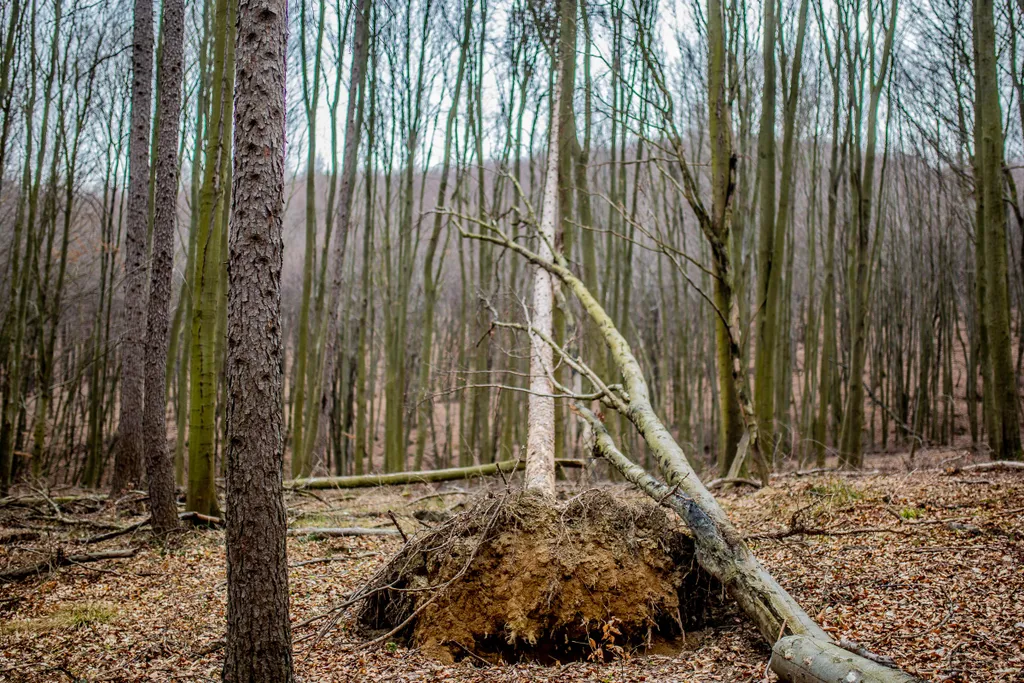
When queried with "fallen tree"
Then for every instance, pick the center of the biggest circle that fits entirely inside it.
(426, 477)
(721, 549)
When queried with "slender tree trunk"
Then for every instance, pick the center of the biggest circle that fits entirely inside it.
(862, 192)
(1005, 440)
(301, 466)
(769, 258)
(540, 437)
(128, 462)
(353, 124)
(202, 425)
(160, 468)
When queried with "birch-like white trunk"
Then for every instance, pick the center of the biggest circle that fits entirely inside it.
(540, 433)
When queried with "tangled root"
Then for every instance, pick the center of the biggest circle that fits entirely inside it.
(519, 577)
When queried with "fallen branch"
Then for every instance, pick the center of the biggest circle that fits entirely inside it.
(439, 494)
(838, 471)
(428, 476)
(716, 483)
(32, 501)
(117, 532)
(336, 532)
(336, 558)
(197, 518)
(815, 531)
(994, 466)
(18, 536)
(61, 560)
(194, 517)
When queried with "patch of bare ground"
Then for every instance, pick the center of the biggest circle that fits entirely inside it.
(921, 565)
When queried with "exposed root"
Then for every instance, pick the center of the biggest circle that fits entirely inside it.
(519, 577)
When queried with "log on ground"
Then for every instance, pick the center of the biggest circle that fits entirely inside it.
(428, 476)
(800, 659)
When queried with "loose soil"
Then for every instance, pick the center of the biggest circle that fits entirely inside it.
(517, 577)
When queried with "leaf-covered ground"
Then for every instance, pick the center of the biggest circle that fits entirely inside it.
(922, 565)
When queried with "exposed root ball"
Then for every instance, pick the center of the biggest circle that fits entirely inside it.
(517, 578)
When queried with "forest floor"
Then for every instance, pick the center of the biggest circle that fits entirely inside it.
(925, 565)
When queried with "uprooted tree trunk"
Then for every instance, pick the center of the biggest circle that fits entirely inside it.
(720, 547)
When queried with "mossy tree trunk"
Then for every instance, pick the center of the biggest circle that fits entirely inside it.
(1004, 437)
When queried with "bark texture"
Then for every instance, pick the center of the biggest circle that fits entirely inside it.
(259, 634)
(128, 459)
(160, 468)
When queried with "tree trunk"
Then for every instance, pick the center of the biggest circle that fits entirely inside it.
(160, 468)
(540, 437)
(807, 660)
(128, 459)
(769, 257)
(353, 124)
(1005, 439)
(259, 633)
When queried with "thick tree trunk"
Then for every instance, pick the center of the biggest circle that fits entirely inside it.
(160, 468)
(259, 633)
(128, 458)
(807, 660)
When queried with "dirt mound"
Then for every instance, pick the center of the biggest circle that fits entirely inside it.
(517, 578)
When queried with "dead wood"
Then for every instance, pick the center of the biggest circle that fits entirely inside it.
(335, 558)
(194, 517)
(724, 481)
(336, 532)
(59, 559)
(721, 549)
(809, 660)
(117, 532)
(837, 471)
(200, 519)
(995, 466)
(404, 478)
